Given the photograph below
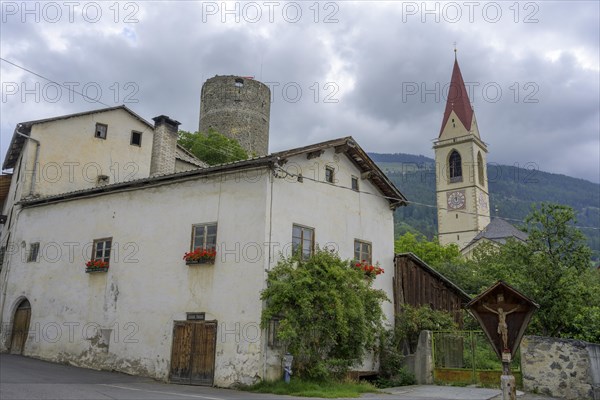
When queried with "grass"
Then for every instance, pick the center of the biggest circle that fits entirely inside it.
(302, 388)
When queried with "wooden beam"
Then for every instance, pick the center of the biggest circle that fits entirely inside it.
(342, 148)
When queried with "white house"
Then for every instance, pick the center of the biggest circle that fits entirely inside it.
(150, 313)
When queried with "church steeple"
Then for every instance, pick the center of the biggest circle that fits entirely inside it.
(461, 181)
(458, 100)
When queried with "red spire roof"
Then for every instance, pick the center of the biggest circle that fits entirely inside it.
(458, 100)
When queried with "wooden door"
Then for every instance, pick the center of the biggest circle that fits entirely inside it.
(20, 329)
(193, 352)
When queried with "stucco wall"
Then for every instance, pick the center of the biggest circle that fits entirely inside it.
(148, 285)
(558, 367)
(88, 156)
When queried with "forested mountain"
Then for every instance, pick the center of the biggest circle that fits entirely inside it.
(513, 190)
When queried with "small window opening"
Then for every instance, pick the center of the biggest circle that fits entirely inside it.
(456, 216)
(329, 172)
(355, 183)
(198, 316)
(273, 332)
(101, 130)
(239, 82)
(34, 249)
(136, 138)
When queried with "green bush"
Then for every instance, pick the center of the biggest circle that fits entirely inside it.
(325, 340)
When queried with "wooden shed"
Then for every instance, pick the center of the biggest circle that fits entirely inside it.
(418, 284)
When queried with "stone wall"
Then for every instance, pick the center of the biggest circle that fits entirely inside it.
(560, 367)
(238, 108)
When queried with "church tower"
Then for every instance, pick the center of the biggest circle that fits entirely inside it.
(461, 181)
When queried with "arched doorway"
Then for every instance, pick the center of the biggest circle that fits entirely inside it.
(20, 329)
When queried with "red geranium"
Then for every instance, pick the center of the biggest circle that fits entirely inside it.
(201, 254)
(96, 264)
(370, 271)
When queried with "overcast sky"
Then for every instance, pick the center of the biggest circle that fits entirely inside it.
(371, 69)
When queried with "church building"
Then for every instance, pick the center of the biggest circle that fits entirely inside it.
(462, 190)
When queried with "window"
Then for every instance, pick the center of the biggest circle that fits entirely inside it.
(273, 332)
(2, 252)
(34, 249)
(355, 183)
(101, 250)
(101, 130)
(480, 169)
(197, 316)
(136, 138)
(455, 167)
(204, 236)
(362, 251)
(303, 240)
(329, 174)
(239, 82)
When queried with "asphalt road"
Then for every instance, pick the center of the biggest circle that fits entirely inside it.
(23, 378)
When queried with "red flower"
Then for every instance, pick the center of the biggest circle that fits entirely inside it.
(368, 269)
(200, 254)
(96, 264)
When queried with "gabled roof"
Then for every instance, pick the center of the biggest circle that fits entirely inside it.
(451, 285)
(185, 155)
(345, 145)
(458, 100)
(499, 231)
(17, 141)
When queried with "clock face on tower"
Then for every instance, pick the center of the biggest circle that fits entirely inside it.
(456, 200)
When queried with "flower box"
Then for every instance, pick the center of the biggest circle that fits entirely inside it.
(200, 256)
(96, 269)
(205, 261)
(96, 266)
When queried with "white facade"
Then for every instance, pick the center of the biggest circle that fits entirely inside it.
(123, 319)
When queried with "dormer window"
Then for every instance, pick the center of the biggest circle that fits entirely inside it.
(101, 130)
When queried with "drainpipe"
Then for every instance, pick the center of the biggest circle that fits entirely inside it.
(35, 160)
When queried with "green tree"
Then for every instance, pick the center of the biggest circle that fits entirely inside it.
(431, 252)
(552, 268)
(447, 260)
(329, 315)
(212, 147)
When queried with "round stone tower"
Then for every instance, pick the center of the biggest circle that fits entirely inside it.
(239, 108)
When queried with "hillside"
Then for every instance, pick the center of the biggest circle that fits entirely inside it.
(512, 192)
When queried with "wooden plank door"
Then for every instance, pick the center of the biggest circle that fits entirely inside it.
(181, 352)
(193, 352)
(20, 327)
(204, 343)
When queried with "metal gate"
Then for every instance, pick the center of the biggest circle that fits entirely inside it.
(193, 352)
(20, 329)
(466, 357)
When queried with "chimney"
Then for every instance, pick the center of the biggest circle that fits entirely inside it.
(164, 145)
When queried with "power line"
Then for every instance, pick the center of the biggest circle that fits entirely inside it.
(226, 151)
(53, 81)
(412, 202)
